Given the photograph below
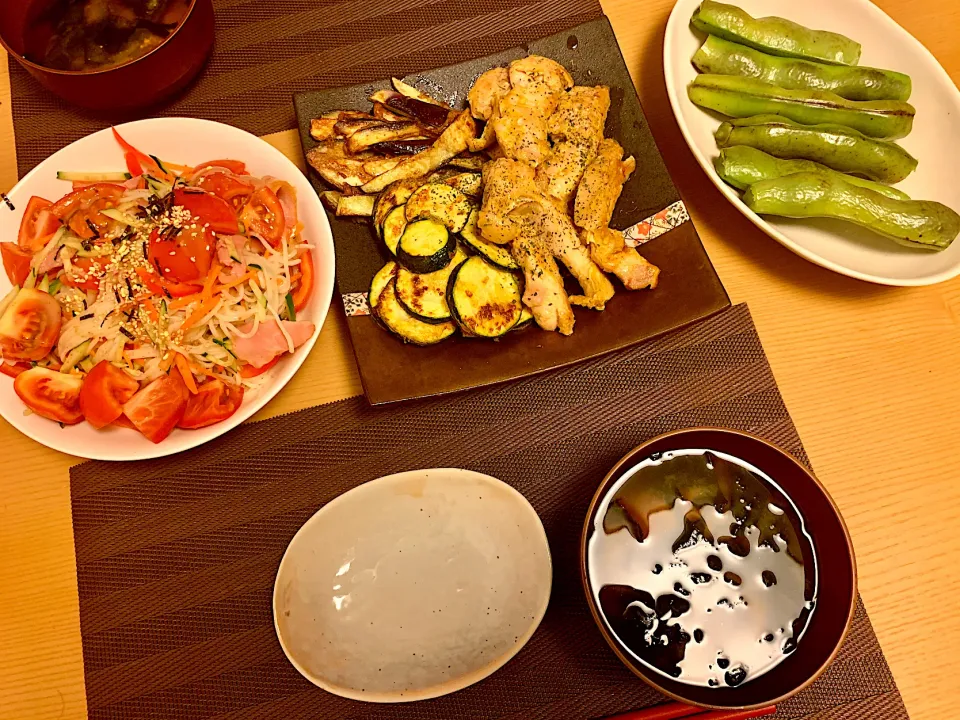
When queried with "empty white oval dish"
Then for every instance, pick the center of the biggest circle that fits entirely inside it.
(412, 586)
(935, 142)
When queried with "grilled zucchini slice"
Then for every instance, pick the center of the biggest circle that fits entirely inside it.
(393, 228)
(525, 321)
(485, 300)
(380, 281)
(393, 195)
(499, 255)
(425, 295)
(401, 323)
(440, 202)
(470, 184)
(425, 246)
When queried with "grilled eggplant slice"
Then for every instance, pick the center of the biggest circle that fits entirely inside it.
(384, 113)
(402, 147)
(355, 205)
(484, 300)
(425, 246)
(468, 183)
(499, 255)
(378, 166)
(383, 278)
(440, 202)
(384, 132)
(331, 163)
(330, 199)
(391, 313)
(467, 162)
(347, 126)
(425, 295)
(396, 194)
(321, 128)
(404, 89)
(393, 228)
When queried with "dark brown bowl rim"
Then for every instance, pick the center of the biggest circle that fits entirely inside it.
(99, 71)
(614, 644)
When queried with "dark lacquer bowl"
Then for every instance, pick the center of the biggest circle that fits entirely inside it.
(143, 81)
(837, 591)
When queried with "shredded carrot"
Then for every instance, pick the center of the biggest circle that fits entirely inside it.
(198, 314)
(183, 365)
(239, 281)
(151, 309)
(211, 279)
(182, 169)
(182, 302)
(166, 361)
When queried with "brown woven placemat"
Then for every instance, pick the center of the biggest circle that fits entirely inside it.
(176, 557)
(267, 50)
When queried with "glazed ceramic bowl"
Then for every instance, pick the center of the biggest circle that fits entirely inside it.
(837, 576)
(143, 81)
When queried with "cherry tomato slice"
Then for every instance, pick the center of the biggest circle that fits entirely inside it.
(14, 369)
(105, 389)
(157, 408)
(158, 286)
(227, 188)
(30, 326)
(301, 295)
(37, 225)
(185, 257)
(16, 262)
(237, 167)
(263, 216)
(85, 273)
(215, 401)
(80, 210)
(51, 394)
(209, 209)
(249, 371)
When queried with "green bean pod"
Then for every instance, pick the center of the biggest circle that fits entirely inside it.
(721, 57)
(774, 35)
(915, 223)
(835, 146)
(743, 97)
(742, 166)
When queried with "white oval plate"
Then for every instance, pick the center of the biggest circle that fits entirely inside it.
(935, 142)
(183, 141)
(412, 586)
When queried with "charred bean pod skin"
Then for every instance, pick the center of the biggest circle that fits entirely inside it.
(835, 146)
(741, 166)
(721, 57)
(745, 97)
(774, 35)
(915, 223)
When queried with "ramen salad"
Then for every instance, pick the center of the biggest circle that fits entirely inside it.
(153, 298)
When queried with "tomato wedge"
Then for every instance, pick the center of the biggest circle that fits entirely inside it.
(157, 408)
(86, 273)
(215, 401)
(185, 257)
(105, 389)
(13, 369)
(227, 188)
(210, 209)
(158, 286)
(37, 225)
(30, 326)
(249, 371)
(301, 295)
(80, 210)
(16, 262)
(237, 167)
(263, 216)
(51, 394)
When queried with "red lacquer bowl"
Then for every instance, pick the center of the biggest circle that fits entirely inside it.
(143, 81)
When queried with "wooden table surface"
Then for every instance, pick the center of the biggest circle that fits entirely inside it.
(870, 374)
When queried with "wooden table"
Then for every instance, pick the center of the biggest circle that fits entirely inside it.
(871, 376)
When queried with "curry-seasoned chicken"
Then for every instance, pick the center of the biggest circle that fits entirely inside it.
(484, 96)
(610, 252)
(601, 185)
(543, 285)
(507, 185)
(559, 175)
(537, 84)
(560, 237)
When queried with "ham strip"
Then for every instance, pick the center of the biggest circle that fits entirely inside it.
(269, 341)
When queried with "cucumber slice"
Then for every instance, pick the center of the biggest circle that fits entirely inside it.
(393, 195)
(401, 323)
(425, 247)
(380, 281)
(440, 202)
(92, 177)
(425, 295)
(393, 228)
(485, 300)
(499, 255)
(115, 214)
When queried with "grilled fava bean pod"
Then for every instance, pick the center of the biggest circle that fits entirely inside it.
(721, 57)
(744, 97)
(915, 223)
(835, 146)
(742, 166)
(774, 35)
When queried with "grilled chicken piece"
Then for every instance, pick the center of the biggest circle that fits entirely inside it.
(610, 252)
(560, 173)
(507, 185)
(561, 239)
(521, 126)
(580, 116)
(544, 293)
(484, 96)
(601, 186)
(451, 143)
